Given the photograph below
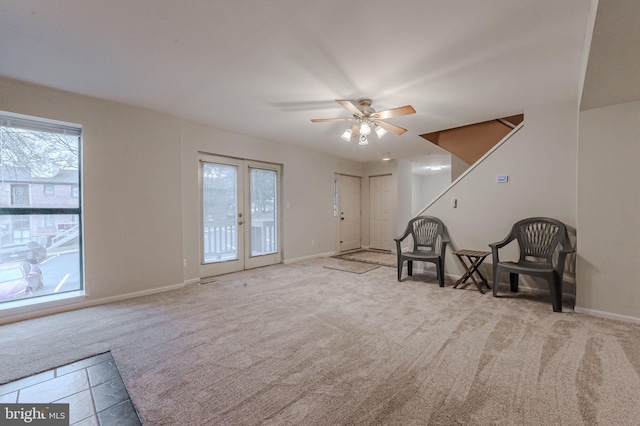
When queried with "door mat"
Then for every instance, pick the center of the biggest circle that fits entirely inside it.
(373, 257)
(348, 266)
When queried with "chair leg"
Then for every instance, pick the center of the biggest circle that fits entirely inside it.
(513, 280)
(496, 279)
(400, 262)
(555, 287)
(410, 267)
(440, 271)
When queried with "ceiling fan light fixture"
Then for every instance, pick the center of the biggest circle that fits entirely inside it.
(380, 131)
(346, 136)
(364, 128)
(367, 119)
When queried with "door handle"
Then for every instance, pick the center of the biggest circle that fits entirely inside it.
(240, 222)
(342, 218)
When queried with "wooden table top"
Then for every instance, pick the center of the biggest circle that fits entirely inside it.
(472, 253)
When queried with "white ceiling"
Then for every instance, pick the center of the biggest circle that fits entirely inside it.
(265, 68)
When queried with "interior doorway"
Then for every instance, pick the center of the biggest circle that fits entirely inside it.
(349, 211)
(380, 213)
(240, 214)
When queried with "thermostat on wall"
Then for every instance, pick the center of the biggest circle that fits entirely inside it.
(502, 179)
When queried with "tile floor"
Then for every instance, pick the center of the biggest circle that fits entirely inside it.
(92, 387)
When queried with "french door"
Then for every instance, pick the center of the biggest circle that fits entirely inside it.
(240, 215)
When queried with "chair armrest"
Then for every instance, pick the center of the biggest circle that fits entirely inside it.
(507, 240)
(403, 236)
(443, 243)
(562, 256)
(565, 251)
(398, 248)
(444, 240)
(495, 258)
(567, 248)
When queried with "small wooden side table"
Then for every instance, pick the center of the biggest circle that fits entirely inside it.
(475, 259)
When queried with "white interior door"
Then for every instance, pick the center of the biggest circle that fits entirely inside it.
(240, 215)
(349, 212)
(380, 228)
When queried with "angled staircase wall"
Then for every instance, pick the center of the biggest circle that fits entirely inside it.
(471, 142)
(540, 160)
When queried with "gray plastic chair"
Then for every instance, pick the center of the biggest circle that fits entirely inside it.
(537, 238)
(429, 245)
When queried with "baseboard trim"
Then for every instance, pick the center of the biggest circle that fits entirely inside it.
(534, 290)
(608, 315)
(139, 294)
(313, 256)
(507, 286)
(39, 310)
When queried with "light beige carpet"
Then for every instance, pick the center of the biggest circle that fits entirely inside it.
(301, 344)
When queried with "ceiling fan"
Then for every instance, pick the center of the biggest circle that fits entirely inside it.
(366, 117)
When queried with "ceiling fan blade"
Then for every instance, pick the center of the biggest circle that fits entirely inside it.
(390, 127)
(324, 120)
(349, 106)
(395, 112)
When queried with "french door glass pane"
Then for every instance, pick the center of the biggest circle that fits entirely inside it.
(39, 255)
(220, 212)
(263, 212)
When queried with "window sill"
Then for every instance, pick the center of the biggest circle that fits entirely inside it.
(35, 304)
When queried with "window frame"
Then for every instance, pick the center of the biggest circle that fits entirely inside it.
(52, 126)
(15, 186)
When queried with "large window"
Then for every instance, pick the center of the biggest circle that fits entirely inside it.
(40, 208)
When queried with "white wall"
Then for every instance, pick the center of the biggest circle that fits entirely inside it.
(608, 266)
(131, 187)
(458, 167)
(141, 205)
(140, 188)
(427, 187)
(404, 205)
(307, 189)
(417, 203)
(541, 162)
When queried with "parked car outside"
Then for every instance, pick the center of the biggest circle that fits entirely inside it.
(30, 251)
(19, 279)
